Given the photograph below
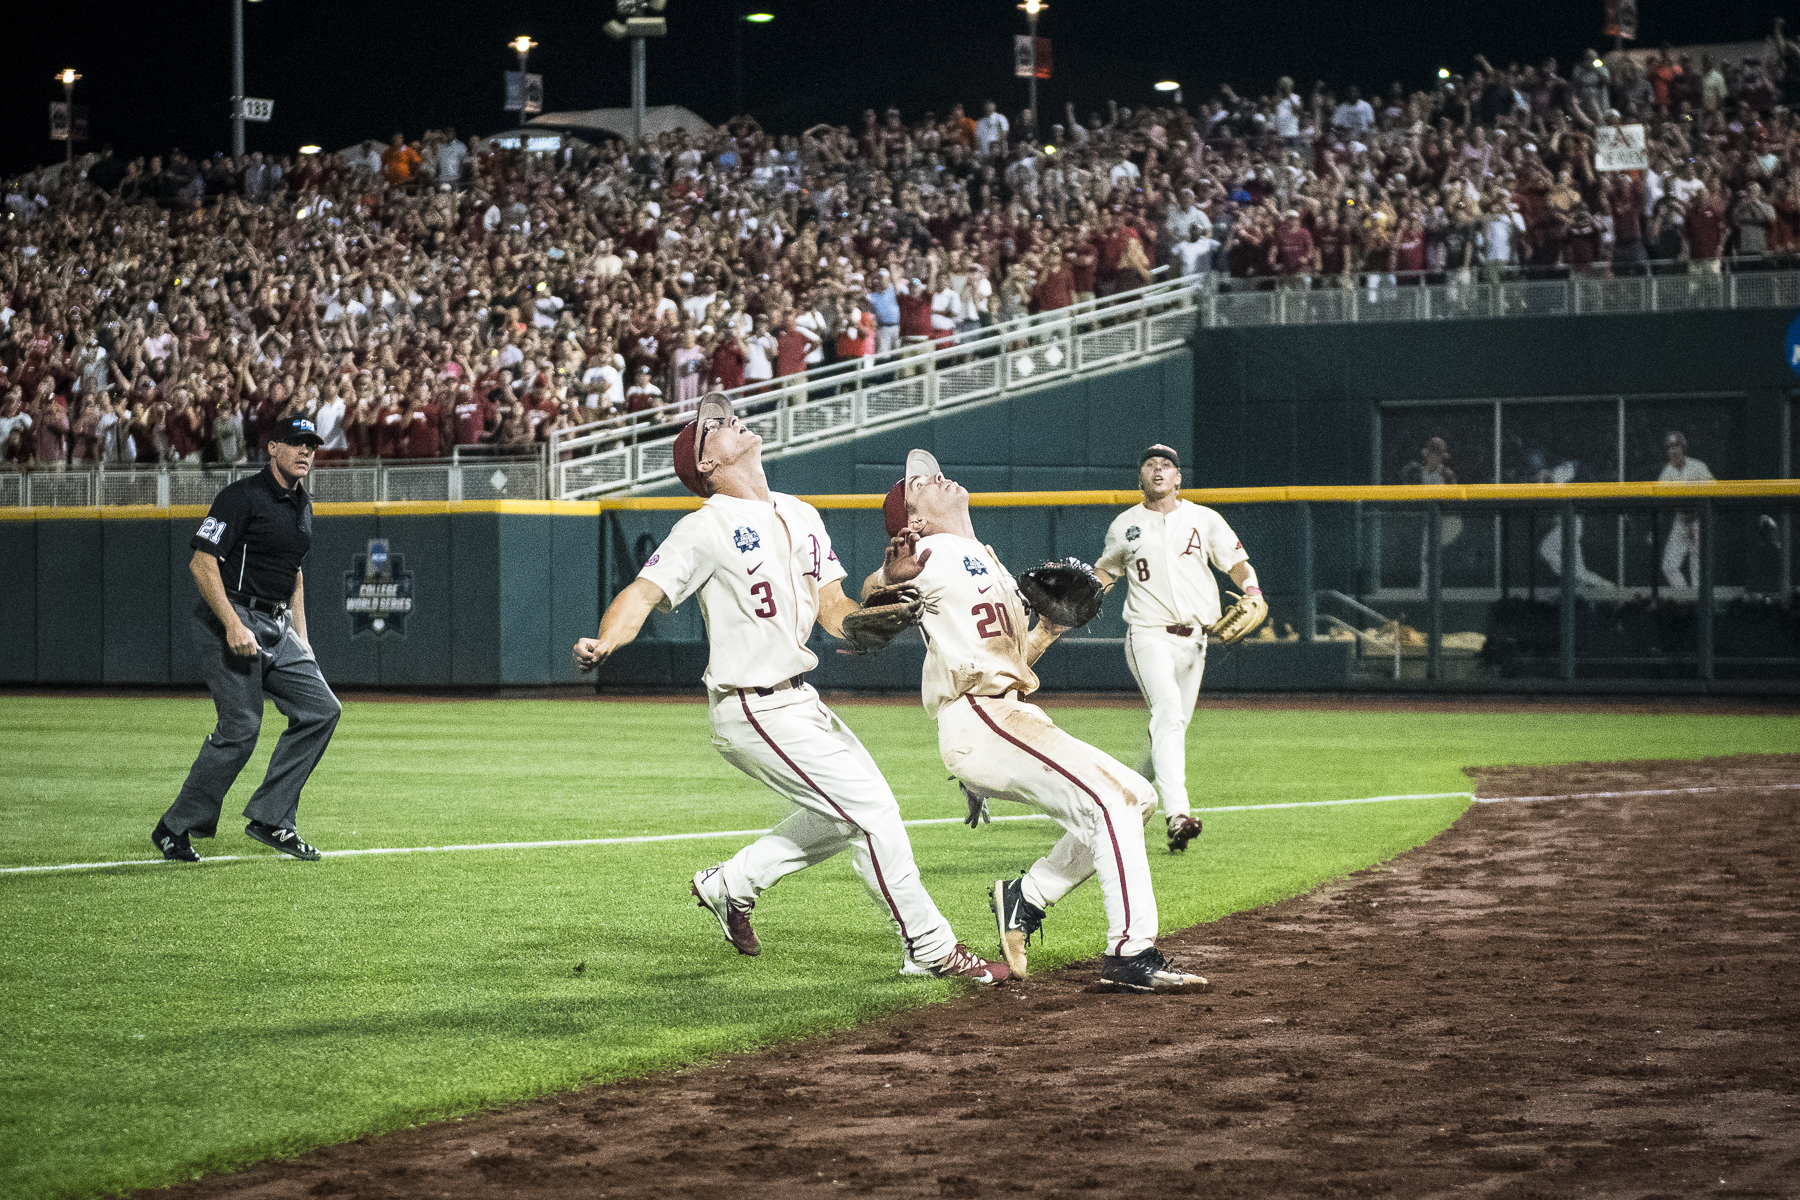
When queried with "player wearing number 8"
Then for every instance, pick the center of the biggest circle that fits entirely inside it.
(1165, 549)
(762, 566)
(979, 650)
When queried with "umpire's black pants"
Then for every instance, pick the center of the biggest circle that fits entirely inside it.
(283, 668)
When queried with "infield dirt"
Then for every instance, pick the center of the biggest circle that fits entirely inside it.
(1571, 997)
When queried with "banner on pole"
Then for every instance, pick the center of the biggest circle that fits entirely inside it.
(1621, 19)
(64, 124)
(258, 110)
(1620, 148)
(1031, 56)
(524, 92)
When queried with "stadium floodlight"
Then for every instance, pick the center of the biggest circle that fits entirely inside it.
(1443, 72)
(1168, 85)
(310, 149)
(759, 18)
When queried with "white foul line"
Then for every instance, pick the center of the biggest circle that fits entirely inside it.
(1687, 791)
(666, 837)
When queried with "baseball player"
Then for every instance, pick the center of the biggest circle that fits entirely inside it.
(1164, 549)
(762, 565)
(979, 651)
(1683, 547)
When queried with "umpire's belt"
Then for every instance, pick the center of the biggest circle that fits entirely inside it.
(273, 608)
(783, 686)
(1179, 630)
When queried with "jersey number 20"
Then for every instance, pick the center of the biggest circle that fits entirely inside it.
(765, 593)
(992, 620)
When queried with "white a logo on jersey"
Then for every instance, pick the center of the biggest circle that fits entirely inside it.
(212, 529)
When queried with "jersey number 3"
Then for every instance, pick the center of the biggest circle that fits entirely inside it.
(764, 592)
(992, 620)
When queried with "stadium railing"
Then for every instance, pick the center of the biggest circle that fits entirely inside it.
(359, 482)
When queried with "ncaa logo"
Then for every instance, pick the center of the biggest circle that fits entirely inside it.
(745, 539)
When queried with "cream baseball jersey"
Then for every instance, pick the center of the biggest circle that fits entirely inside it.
(757, 569)
(974, 623)
(1165, 560)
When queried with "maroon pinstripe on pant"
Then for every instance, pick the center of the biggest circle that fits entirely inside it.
(1118, 855)
(874, 862)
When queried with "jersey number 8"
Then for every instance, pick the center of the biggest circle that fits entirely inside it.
(765, 592)
(992, 620)
(1143, 570)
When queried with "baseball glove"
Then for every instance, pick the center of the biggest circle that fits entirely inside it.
(1065, 593)
(1241, 618)
(882, 618)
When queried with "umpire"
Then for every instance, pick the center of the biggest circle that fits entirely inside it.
(250, 633)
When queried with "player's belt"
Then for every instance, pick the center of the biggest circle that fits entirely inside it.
(783, 686)
(273, 608)
(1179, 630)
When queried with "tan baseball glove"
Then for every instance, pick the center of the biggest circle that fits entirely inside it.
(884, 616)
(1240, 619)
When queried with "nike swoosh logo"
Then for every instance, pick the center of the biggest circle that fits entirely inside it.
(983, 591)
(753, 570)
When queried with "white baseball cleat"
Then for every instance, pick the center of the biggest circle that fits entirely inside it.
(734, 918)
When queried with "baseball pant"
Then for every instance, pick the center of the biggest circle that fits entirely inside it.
(1167, 669)
(799, 748)
(1550, 550)
(1682, 551)
(284, 669)
(1005, 749)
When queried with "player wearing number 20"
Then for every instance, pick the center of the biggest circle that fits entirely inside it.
(1164, 549)
(978, 657)
(763, 568)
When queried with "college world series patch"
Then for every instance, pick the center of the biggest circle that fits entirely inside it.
(1131, 535)
(745, 539)
(974, 566)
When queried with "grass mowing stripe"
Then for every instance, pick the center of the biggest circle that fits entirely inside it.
(168, 1023)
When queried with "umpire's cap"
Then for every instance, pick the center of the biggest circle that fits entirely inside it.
(296, 431)
(691, 441)
(1160, 451)
(893, 509)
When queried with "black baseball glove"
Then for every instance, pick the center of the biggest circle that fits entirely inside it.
(882, 618)
(1065, 593)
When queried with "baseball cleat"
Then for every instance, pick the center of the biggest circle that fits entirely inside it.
(174, 846)
(734, 918)
(912, 967)
(1148, 971)
(1183, 828)
(285, 840)
(1017, 919)
(963, 963)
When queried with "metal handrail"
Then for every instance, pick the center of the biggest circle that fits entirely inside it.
(850, 382)
(1360, 607)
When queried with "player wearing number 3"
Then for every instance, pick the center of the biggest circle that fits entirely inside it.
(762, 565)
(1164, 549)
(978, 657)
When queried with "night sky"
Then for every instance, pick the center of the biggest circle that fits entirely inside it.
(160, 75)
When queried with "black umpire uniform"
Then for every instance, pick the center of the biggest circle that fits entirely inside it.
(258, 531)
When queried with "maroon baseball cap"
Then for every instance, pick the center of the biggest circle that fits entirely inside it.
(893, 509)
(692, 440)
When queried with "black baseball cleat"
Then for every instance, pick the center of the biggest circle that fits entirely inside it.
(1183, 828)
(285, 840)
(1017, 919)
(733, 918)
(1148, 971)
(174, 846)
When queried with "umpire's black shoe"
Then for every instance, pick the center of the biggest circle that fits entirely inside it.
(174, 846)
(1017, 919)
(1148, 971)
(285, 840)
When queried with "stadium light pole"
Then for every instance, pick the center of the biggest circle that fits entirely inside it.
(237, 77)
(638, 19)
(762, 16)
(1031, 9)
(67, 78)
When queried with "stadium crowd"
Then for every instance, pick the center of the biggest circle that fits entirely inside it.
(411, 297)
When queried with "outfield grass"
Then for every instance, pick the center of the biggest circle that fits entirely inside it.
(167, 1021)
